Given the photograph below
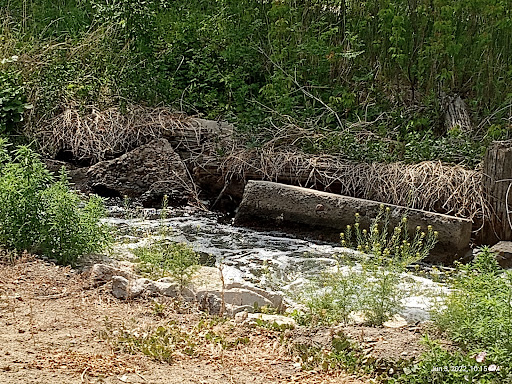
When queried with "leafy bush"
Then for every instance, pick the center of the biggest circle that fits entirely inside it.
(332, 298)
(393, 248)
(42, 215)
(477, 318)
(364, 78)
(12, 98)
(478, 312)
(440, 366)
(374, 287)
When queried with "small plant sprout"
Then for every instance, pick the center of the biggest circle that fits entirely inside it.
(165, 257)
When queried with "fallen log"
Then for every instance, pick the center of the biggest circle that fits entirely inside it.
(265, 201)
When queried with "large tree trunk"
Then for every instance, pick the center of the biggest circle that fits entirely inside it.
(497, 186)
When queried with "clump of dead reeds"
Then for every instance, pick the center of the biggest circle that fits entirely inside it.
(429, 185)
(105, 134)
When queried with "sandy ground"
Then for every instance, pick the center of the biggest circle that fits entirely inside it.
(53, 324)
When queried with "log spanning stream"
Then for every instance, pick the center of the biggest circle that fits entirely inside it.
(270, 259)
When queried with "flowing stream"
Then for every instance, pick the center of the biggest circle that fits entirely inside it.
(270, 259)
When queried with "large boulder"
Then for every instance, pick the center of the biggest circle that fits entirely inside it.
(76, 175)
(282, 204)
(148, 172)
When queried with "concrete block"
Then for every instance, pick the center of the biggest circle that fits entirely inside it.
(281, 203)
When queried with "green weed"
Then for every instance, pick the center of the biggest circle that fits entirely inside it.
(161, 343)
(167, 258)
(373, 287)
(12, 98)
(165, 342)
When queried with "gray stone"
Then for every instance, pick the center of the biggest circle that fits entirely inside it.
(503, 251)
(265, 200)
(77, 176)
(162, 288)
(170, 290)
(103, 273)
(207, 279)
(148, 172)
(235, 301)
(122, 288)
(235, 311)
(241, 297)
(209, 303)
(275, 298)
(165, 280)
(396, 321)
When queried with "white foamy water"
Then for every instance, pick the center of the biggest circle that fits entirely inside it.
(267, 259)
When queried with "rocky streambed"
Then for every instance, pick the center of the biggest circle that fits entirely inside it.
(266, 262)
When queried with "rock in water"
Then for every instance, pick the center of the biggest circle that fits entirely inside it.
(148, 172)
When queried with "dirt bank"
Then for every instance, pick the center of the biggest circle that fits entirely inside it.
(53, 322)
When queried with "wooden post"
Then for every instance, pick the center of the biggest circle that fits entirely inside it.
(497, 186)
(456, 114)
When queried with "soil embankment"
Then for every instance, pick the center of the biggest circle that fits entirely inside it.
(54, 325)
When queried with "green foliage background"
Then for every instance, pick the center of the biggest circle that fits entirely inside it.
(366, 77)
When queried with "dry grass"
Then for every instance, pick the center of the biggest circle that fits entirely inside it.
(105, 134)
(429, 185)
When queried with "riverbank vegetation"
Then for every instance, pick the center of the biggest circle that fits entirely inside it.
(41, 214)
(468, 340)
(370, 284)
(370, 81)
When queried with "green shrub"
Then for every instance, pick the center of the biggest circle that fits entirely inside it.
(12, 98)
(374, 287)
(362, 80)
(168, 258)
(478, 312)
(42, 215)
(331, 298)
(477, 318)
(394, 248)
